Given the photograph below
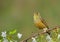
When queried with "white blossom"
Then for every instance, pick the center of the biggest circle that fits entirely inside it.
(48, 38)
(58, 36)
(3, 34)
(5, 40)
(19, 35)
(34, 39)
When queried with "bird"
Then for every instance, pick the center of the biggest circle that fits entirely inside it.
(40, 23)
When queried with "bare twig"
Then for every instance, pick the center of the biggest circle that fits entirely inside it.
(36, 34)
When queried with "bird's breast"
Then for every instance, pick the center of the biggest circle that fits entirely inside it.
(40, 25)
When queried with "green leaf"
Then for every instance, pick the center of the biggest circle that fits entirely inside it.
(1, 37)
(0, 40)
(9, 37)
(13, 32)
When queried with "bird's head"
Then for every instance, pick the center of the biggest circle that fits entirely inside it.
(36, 16)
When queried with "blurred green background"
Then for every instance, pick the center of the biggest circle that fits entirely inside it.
(18, 14)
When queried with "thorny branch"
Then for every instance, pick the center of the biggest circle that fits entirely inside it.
(36, 34)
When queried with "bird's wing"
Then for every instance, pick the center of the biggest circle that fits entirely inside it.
(43, 21)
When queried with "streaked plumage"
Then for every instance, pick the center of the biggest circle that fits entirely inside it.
(39, 21)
